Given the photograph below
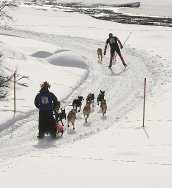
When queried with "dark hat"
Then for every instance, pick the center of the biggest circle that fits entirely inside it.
(110, 35)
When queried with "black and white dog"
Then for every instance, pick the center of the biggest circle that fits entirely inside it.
(90, 98)
(77, 103)
(60, 116)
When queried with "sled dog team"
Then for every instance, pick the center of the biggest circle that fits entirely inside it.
(49, 106)
(76, 104)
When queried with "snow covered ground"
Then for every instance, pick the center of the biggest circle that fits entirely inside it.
(109, 151)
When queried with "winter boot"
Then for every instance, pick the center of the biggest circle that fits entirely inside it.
(125, 65)
(40, 136)
(53, 136)
(110, 65)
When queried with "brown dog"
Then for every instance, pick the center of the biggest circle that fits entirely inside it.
(71, 117)
(103, 106)
(99, 53)
(86, 110)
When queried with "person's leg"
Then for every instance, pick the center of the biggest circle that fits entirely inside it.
(119, 53)
(51, 123)
(42, 125)
(112, 51)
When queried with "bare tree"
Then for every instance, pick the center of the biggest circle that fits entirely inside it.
(5, 17)
(4, 81)
(4, 84)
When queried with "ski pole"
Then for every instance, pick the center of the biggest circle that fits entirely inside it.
(127, 38)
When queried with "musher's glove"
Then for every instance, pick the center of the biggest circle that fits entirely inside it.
(121, 46)
(104, 53)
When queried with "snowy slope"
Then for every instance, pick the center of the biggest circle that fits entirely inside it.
(122, 149)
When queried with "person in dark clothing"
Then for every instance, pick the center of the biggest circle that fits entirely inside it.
(113, 42)
(46, 102)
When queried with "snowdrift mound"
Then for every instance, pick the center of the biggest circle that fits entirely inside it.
(42, 54)
(68, 59)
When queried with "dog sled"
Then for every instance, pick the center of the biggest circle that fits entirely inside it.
(59, 130)
(59, 127)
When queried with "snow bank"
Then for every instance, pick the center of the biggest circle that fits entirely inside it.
(68, 59)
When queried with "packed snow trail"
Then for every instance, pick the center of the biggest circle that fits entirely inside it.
(123, 92)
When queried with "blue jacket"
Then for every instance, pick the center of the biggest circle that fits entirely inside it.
(45, 100)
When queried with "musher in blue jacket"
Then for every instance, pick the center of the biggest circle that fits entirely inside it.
(46, 101)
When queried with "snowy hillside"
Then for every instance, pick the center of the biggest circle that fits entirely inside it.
(109, 151)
